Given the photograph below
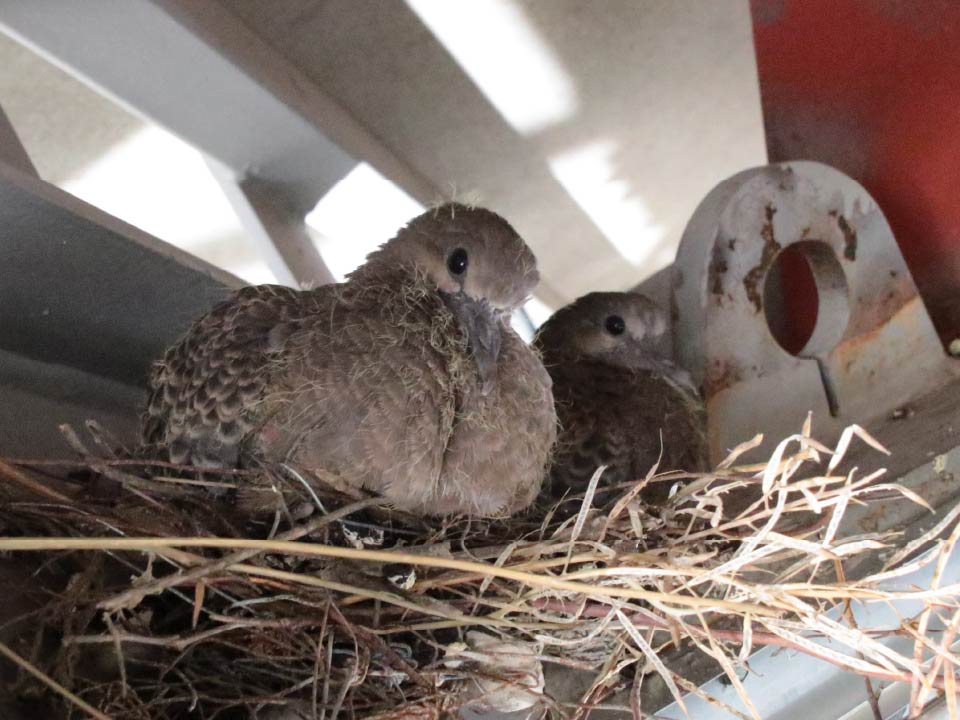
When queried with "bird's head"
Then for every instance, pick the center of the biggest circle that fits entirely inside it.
(478, 262)
(622, 328)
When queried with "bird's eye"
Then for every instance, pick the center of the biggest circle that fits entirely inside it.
(615, 325)
(457, 261)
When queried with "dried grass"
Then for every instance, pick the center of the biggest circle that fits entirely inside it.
(162, 607)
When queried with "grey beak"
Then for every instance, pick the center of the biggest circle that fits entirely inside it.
(483, 328)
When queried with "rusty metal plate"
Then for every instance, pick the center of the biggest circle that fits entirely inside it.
(871, 346)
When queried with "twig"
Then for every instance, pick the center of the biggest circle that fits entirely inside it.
(79, 464)
(147, 544)
(133, 596)
(28, 483)
(560, 581)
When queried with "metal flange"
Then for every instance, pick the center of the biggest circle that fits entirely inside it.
(872, 347)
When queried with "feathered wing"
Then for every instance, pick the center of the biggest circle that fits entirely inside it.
(625, 419)
(204, 395)
(372, 386)
(591, 410)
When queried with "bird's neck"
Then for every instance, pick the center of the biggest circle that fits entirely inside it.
(385, 278)
(661, 367)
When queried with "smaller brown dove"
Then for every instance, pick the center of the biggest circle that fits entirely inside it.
(406, 379)
(621, 401)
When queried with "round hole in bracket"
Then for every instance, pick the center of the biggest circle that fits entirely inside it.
(805, 299)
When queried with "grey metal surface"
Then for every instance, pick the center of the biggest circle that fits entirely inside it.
(380, 83)
(81, 289)
(197, 70)
(37, 397)
(936, 711)
(241, 44)
(873, 346)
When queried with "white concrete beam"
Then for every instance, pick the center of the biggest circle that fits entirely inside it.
(197, 70)
(223, 31)
(135, 52)
(278, 231)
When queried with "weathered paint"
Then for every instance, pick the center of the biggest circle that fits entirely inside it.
(871, 345)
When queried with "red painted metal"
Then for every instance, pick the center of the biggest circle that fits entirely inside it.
(872, 87)
(799, 300)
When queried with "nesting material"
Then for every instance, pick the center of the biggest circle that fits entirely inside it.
(156, 606)
(507, 676)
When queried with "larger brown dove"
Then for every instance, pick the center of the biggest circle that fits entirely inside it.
(620, 399)
(406, 379)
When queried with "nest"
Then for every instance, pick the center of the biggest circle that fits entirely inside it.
(153, 593)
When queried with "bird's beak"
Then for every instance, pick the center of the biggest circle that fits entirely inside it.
(483, 329)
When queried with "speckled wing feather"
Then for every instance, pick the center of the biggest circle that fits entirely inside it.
(372, 385)
(616, 416)
(204, 393)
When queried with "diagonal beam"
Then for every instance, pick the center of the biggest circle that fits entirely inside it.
(278, 231)
(197, 70)
(223, 31)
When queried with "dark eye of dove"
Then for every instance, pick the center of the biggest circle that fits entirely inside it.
(615, 325)
(457, 261)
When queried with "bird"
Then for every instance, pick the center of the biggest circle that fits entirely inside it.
(405, 380)
(621, 400)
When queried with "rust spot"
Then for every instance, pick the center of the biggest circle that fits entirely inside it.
(849, 236)
(732, 244)
(770, 211)
(865, 334)
(754, 278)
(875, 312)
(720, 376)
(718, 266)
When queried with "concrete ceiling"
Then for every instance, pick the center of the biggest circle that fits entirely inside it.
(596, 128)
(63, 125)
(659, 103)
(67, 128)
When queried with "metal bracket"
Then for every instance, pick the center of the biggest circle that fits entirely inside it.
(872, 347)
